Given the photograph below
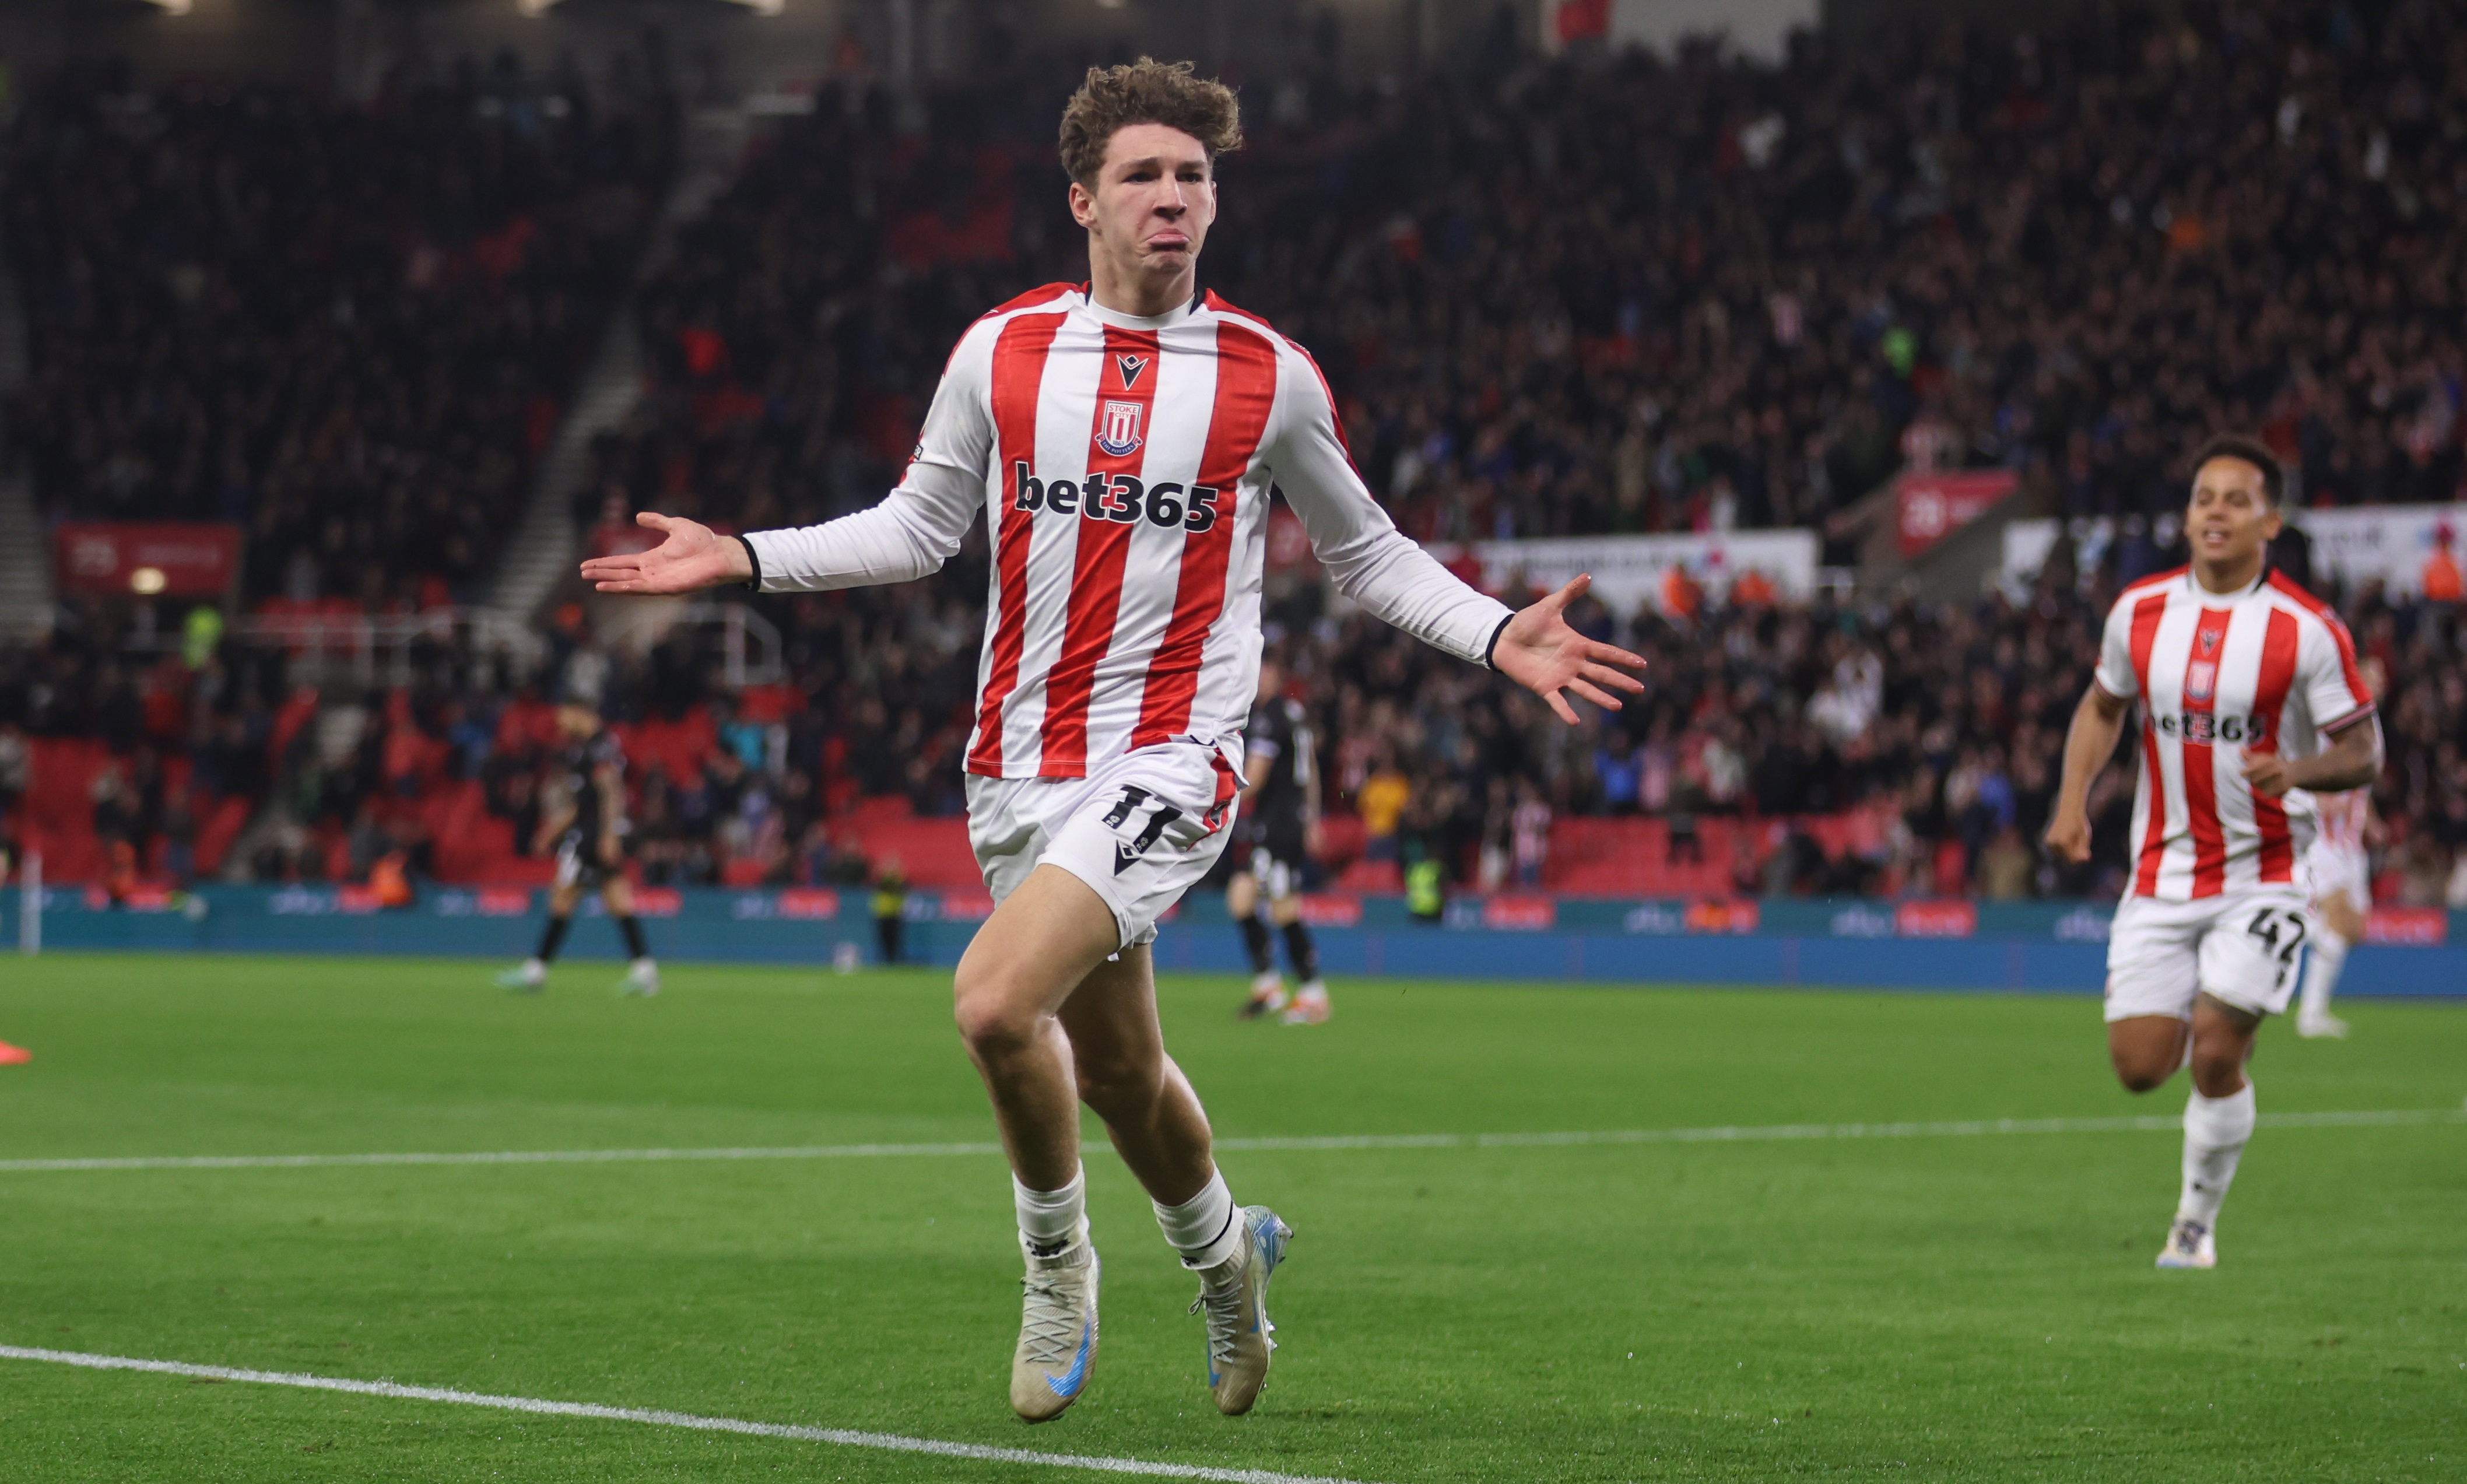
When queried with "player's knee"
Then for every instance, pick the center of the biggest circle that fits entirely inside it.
(2143, 1078)
(993, 1019)
(2218, 1072)
(2146, 1068)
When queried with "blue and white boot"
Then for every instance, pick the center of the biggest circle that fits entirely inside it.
(2189, 1245)
(1233, 1295)
(1057, 1330)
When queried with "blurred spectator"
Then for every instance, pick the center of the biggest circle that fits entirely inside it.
(1382, 802)
(1531, 828)
(890, 909)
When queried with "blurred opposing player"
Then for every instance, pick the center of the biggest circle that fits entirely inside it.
(2342, 890)
(1279, 816)
(1120, 437)
(585, 819)
(2249, 697)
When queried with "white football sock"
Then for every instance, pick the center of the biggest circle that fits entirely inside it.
(1049, 1220)
(1204, 1228)
(2216, 1130)
(2326, 955)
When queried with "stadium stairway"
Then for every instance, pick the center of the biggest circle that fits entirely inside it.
(25, 552)
(543, 549)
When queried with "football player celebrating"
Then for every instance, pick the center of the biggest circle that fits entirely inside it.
(1120, 437)
(1279, 816)
(586, 819)
(2248, 689)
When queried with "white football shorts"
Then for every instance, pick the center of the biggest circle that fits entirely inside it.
(2340, 868)
(2244, 948)
(1141, 829)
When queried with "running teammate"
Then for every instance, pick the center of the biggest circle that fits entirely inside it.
(2249, 694)
(2342, 891)
(586, 819)
(1119, 437)
(1279, 821)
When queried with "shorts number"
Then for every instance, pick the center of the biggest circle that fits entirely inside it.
(1132, 799)
(2281, 931)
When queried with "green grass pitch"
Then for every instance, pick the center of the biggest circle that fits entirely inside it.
(1948, 1308)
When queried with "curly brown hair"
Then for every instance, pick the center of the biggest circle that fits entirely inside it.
(1146, 91)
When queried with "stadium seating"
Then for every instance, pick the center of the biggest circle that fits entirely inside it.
(1598, 294)
(349, 329)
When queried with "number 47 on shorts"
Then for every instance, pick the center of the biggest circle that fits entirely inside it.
(2281, 931)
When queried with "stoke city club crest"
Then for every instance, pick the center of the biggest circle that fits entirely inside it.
(1117, 431)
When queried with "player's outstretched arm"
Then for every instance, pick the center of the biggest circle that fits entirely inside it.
(1541, 652)
(1376, 565)
(916, 526)
(2090, 741)
(694, 557)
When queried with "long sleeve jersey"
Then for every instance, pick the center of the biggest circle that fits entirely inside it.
(1124, 464)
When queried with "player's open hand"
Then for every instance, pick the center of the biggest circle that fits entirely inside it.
(693, 557)
(1539, 652)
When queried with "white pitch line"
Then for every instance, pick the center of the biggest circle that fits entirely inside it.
(1730, 1134)
(514, 1156)
(843, 1437)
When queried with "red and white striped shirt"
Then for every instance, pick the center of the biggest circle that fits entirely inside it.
(1124, 464)
(2269, 669)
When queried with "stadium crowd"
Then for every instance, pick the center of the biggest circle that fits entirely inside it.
(1602, 294)
(349, 329)
(1939, 726)
(1618, 293)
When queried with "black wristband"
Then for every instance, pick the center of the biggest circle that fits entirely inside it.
(1492, 648)
(754, 560)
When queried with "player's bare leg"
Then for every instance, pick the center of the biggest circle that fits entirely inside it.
(1036, 948)
(2218, 1114)
(1048, 1021)
(1022, 965)
(1122, 1069)
(1267, 986)
(1162, 1132)
(2325, 956)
